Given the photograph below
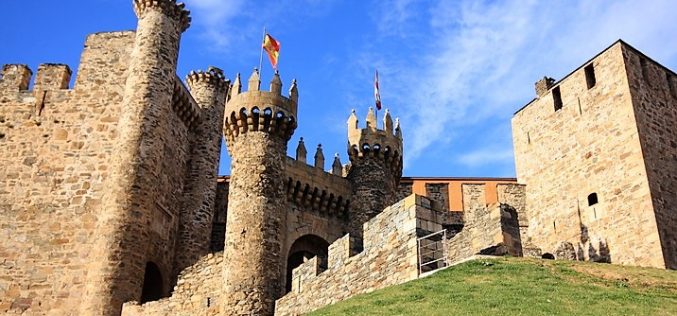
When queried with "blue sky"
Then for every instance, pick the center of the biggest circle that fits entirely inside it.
(453, 71)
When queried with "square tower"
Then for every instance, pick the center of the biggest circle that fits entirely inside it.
(598, 153)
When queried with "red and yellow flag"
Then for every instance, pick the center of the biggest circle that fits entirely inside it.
(272, 47)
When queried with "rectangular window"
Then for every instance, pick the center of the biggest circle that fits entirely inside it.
(590, 76)
(557, 98)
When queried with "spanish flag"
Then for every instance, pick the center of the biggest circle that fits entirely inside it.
(272, 47)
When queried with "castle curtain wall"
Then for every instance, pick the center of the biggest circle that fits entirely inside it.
(55, 148)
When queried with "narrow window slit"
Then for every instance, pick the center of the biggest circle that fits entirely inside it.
(590, 79)
(557, 98)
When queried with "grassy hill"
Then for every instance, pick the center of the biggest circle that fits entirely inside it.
(519, 286)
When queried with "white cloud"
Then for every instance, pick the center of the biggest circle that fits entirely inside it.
(480, 59)
(485, 156)
(214, 17)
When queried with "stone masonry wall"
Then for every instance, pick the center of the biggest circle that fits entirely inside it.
(590, 145)
(438, 192)
(197, 292)
(139, 211)
(389, 257)
(654, 95)
(492, 229)
(55, 148)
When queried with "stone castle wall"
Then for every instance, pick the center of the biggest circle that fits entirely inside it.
(654, 95)
(389, 257)
(493, 229)
(197, 292)
(590, 145)
(65, 252)
(55, 146)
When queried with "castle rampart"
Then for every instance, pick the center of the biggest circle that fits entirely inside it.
(55, 155)
(390, 252)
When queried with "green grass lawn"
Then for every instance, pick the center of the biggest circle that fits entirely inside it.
(519, 286)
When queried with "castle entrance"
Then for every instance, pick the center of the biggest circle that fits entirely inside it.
(302, 249)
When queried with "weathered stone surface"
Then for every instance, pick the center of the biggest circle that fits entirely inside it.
(108, 191)
(389, 257)
(613, 137)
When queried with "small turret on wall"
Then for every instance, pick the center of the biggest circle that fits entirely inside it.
(376, 167)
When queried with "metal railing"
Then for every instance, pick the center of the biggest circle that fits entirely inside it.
(432, 251)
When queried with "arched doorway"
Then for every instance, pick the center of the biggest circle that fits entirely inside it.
(302, 249)
(152, 284)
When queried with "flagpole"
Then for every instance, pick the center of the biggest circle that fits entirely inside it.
(261, 55)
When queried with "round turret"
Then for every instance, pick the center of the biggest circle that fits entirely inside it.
(257, 127)
(384, 145)
(375, 167)
(256, 110)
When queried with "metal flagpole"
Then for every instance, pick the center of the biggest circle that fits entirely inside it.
(261, 55)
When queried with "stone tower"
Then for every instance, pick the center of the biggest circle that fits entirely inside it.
(120, 247)
(257, 127)
(376, 166)
(209, 88)
(597, 151)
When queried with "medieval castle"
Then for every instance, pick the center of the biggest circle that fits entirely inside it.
(110, 202)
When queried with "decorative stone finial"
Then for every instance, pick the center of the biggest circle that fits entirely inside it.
(336, 166)
(254, 82)
(388, 123)
(294, 92)
(398, 130)
(319, 157)
(237, 86)
(276, 84)
(352, 120)
(371, 119)
(301, 151)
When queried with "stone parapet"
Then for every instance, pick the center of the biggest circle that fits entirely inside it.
(171, 8)
(317, 189)
(256, 110)
(389, 257)
(184, 104)
(197, 292)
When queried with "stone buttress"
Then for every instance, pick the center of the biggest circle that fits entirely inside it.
(257, 128)
(209, 88)
(118, 253)
(376, 166)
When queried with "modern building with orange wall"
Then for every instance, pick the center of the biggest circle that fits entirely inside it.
(448, 189)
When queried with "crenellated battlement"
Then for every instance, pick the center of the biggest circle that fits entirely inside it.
(212, 76)
(257, 110)
(389, 257)
(316, 189)
(50, 85)
(371, 142)
(16, 77)
(171, 8)
(184, 104)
